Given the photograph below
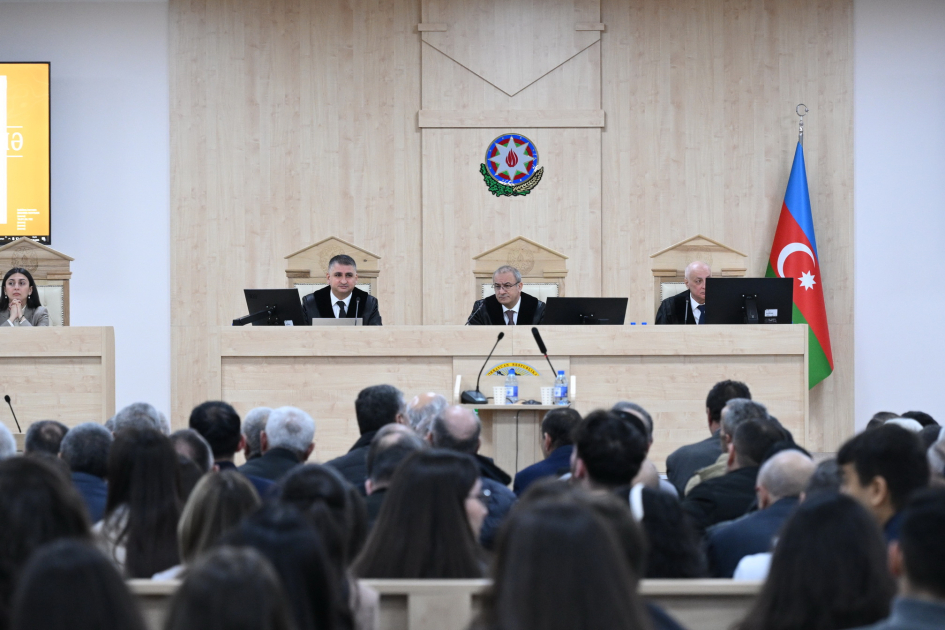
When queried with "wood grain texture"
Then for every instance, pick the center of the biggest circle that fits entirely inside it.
(511, 118)
(700, 136)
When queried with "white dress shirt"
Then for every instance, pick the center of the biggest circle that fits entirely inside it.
(334, 303)
(695, 307)
(514, 309)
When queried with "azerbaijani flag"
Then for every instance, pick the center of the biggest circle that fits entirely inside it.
(794, 255)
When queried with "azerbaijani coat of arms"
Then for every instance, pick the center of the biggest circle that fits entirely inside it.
(511, 167)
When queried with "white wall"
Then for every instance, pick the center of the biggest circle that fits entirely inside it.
(110, 170)
(899, 137)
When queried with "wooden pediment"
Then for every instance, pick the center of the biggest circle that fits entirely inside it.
(43, 262)
(312, 261)
(722, 259)
(532, 259)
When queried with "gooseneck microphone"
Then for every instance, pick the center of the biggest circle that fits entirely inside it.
(6, 397)
(475, 397)
(357, 303)
(542, 349)
(479, 305)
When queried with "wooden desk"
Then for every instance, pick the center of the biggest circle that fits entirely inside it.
(667, 369)
(57, 373)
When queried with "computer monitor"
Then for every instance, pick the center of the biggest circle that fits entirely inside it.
(749, 300)
(272, 307)
(585, 310)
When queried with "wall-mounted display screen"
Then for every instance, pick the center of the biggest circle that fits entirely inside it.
(24, 151)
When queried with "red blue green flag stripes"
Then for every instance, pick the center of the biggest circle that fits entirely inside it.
(794, 255)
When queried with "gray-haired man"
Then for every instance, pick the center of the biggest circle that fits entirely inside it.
(509, 306)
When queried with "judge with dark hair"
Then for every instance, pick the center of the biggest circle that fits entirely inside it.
(341, 298)
(556, 446)
(509, 305)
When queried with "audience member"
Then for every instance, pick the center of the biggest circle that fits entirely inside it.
(337, 512)
(936, 458)
(827, 477)
(253, 424)
(918, 560)
(7, 443)
(375, 407)
(44, 436)
(70, 585)
(881, 469)
(648, 474)
(683, 463)
(781, 480)
(430, 521)
(287, 441)
(731, 495)
(930, 434)
(230, 589)
(219, 502)
(879, 419)
(194, 459)
(37, 505)
(735, 411)
(828, 571)
(608, 451)
(390, 446)
(85, 449)
(910, 425)
(422, 409)
(219, 424)
(556, 447)
(140, 415)
(458, 429)
(674, 549)
(139, 530)
(299, 557)
(921, 417)
(558, 566)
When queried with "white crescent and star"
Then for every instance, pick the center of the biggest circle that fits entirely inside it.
(807, 278)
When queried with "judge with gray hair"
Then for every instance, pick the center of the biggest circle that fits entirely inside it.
(287, 441)
(689, 306)
(508, 305)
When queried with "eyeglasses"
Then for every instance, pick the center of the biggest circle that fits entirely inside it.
(505, 286)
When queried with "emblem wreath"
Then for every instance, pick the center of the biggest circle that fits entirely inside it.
(511, 166)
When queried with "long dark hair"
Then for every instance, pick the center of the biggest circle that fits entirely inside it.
(422, 530)
(296, 552)
(673, 549)
(559, 566)
(230, 589)
(143, 477)
(31, 302)
(70, 584)
(828, 571)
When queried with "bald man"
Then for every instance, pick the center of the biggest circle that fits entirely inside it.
(422, 409)
(687, 307)
(781, 481)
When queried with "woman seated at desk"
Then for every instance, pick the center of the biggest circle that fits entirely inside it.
(19, 304)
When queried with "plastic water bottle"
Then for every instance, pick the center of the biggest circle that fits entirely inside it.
(561, 389)
(511, 387)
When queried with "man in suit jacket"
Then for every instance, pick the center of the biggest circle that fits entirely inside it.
(287, 441)
(85, 448)
(341, 299)
(509, 305)
(556, 446)
(687, 307)
(781, 481)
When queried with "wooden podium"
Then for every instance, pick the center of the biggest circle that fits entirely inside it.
(57, 373)
(667, 369)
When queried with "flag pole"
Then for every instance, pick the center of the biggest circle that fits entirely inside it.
(800, 124)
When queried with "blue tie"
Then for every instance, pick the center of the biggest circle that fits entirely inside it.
(701, 308)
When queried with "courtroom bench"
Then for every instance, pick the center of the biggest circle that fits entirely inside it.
(452, 604)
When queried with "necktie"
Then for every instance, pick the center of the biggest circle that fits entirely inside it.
(341, 309)
(702, 313)
(510, 315)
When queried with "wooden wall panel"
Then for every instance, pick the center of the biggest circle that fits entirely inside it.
(700, 136)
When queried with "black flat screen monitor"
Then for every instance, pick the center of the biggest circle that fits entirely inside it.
(585, 310)
(730, 300)
(278, 306)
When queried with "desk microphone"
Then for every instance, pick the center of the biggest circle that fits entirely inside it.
(479, 305)
(7, 398)
(475, 397)
(357, 303)
(542, 349)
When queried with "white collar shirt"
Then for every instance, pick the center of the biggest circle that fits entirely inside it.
(514, 311)
(695, 307)
(334, 303)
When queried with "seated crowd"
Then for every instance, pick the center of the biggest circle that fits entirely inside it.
(279, 543)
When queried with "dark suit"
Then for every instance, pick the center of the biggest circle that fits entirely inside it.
(94, 493)
(556, 464)
(753, 533)
(724, 498)
(676, 310)
(683, 463)
(262, 485)
(273, 464)
(499, 500)
(489, 312)
(320, 304)
(373, 503)
(353, 464)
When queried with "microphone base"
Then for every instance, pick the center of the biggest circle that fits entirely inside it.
(473, 397)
